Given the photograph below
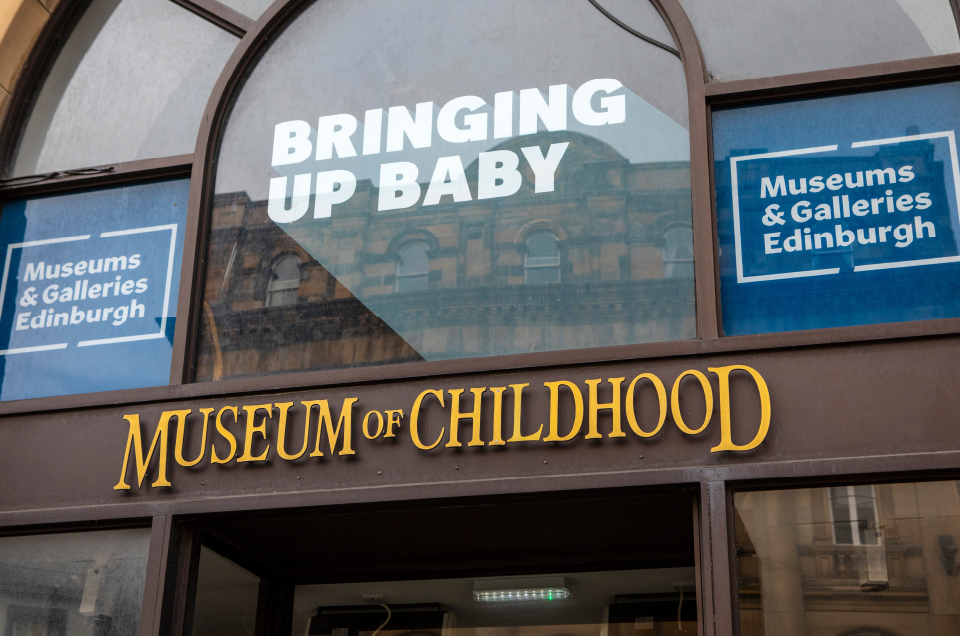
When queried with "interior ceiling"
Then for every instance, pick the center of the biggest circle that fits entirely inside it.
(590, 592)
(470, 538)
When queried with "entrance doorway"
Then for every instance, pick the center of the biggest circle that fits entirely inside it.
(589, 564)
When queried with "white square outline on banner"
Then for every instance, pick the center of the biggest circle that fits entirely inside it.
(3, 287)
(949, 134)
(90, 343)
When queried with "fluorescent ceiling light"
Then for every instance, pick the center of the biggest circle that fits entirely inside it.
(525, 588)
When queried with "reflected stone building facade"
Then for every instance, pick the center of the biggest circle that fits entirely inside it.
(863, 560)
(607, 257)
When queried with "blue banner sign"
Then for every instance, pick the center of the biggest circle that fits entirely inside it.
(891, 209)
(88, 289)
(839, 211)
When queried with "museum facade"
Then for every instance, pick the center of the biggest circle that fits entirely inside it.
(544, 318)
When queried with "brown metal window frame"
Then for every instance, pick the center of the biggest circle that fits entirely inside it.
(703, 96)
(175, 613)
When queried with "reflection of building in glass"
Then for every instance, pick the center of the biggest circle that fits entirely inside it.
(284, 284)
(604, 259)
(861, 559)
(541, 263)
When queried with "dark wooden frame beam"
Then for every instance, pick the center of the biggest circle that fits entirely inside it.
(127, 173)
(180, 602)
(704, 259)
(157, 578)
(219, 14)
(925, 329)
(701, 565)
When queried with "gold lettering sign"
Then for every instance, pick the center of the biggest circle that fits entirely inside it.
(259, 444)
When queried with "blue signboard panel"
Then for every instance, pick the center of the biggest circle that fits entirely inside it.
(839, 211)
(89, 289)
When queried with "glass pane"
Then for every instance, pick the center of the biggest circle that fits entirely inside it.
(795, 577)
(542, 275)
(131, 83)
(81, 584)
(287, 269)
(413, 283)
(413, 260)
(541, 245)
(413, 147)
(678, 252)
(745, 39)
(839, 211)
(226, 598)
(654, 602)
(281, 297)
(284, 285)
(89, 289)
(253, 9)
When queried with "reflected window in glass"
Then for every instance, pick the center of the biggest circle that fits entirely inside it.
(413, 268)
(678, 252)
(854, 515)
(284, 285)
(541, 264)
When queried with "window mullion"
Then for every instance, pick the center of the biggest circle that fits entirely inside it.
(219, 14)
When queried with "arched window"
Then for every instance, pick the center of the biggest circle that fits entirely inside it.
(284, 285)
(618, 122)
(678, 253)
(413, 267)
(854, 513)
(90, 88)
(131, 83)
(541, 263)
